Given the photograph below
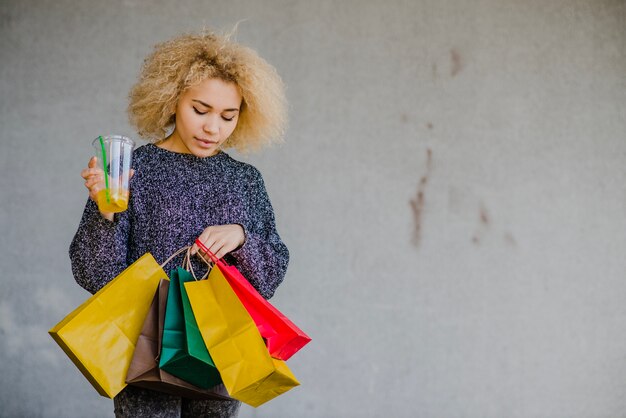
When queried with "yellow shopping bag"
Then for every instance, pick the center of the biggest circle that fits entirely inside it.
(100, 335)
(235, 344)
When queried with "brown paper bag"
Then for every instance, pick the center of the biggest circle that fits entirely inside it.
(144, 368)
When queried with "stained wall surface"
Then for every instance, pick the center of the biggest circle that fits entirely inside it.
(451, 189)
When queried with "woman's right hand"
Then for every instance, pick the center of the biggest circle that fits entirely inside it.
(94, 182)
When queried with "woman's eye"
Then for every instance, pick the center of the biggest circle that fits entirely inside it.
(228, 119)
(198, 112)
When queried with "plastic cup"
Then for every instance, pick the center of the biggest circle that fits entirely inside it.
(114, 154)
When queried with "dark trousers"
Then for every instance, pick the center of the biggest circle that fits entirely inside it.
(134, 402)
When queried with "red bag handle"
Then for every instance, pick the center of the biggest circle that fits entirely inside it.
(209, 253)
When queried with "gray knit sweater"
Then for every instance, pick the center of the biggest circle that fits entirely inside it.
(173, 198)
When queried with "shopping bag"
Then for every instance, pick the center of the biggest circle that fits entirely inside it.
(144, 368)
(183, 352)
(236, 346)
(100, 335)
(283, 337)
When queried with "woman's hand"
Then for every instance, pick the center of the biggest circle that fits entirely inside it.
(221, 239)
(94, 182)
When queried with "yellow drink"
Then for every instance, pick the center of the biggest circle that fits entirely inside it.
(117, 202)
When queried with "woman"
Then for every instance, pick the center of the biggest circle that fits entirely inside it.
(209, 93)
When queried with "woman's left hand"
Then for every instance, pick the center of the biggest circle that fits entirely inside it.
(221, 239)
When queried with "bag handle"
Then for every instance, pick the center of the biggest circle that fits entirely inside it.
(187, 261)
(212, 256)
(187, 248)
(187, 265)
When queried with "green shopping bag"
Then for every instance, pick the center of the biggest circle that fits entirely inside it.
(183, 352)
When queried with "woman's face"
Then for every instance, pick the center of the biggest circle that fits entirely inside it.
(206, 115)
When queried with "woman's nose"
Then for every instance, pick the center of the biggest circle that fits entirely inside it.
(211, 124)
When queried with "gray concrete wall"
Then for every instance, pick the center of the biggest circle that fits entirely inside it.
(451, 189)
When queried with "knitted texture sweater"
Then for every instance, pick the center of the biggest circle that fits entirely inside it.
(173, 198)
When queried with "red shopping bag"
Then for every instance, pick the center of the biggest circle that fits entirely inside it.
(283, 337)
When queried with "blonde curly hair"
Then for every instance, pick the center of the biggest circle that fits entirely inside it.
(189, 59)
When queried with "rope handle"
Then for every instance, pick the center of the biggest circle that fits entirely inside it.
(174, 255)
(187, 265)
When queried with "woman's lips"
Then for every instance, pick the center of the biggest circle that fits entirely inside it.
(205, 142)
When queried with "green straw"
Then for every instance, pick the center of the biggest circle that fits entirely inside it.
(104, 166)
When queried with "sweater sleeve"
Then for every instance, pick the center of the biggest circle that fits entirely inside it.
(263, 258)
(99, 249)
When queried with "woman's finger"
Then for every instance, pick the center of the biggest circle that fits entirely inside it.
(220, 253)
(220, 239)
(89, 183)
(95, 187)
(93, 180)
(89, 172)
(203, 238)
(216, 248)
